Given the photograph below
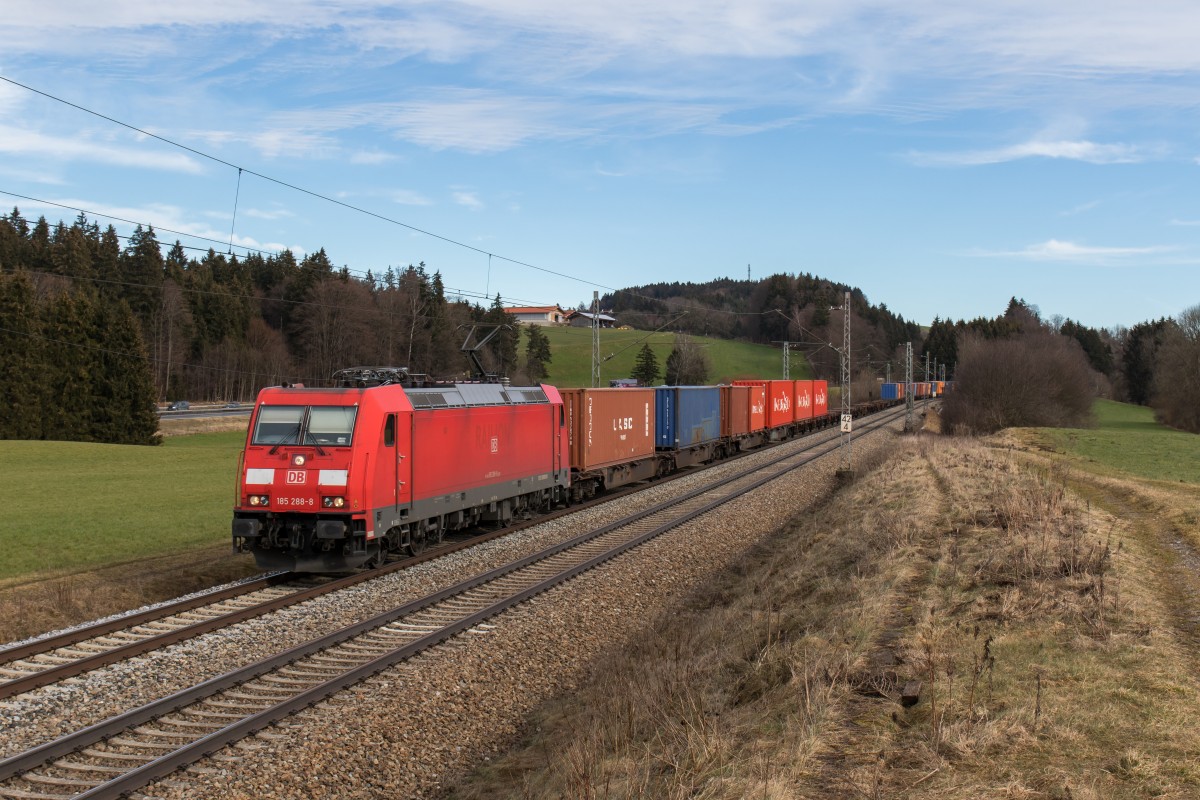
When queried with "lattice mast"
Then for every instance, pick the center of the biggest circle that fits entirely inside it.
(846, 418)
(595, 339)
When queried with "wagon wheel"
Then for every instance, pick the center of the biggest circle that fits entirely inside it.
(416, 543)
(434, 536)
(380, 557)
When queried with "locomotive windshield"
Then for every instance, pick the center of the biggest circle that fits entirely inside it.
(331, 426)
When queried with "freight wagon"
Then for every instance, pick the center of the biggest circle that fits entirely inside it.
(687, 424)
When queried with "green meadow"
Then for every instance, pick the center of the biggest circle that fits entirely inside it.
(76, 505)
(1127, 440)
(571, 352)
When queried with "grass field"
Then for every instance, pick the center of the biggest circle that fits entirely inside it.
(1127, 440)
(74, 505)
(571, 350)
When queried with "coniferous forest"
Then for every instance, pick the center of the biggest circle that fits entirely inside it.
(96, 330)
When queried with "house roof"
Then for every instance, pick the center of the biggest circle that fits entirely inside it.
(588, 315)
(533, 309)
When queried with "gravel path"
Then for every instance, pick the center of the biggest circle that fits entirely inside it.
(409, 730)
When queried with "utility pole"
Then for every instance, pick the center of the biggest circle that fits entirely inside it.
(889, 372)
(926, 366)
(846, 473)
(908, 390)
(787, 366)
(595, 339)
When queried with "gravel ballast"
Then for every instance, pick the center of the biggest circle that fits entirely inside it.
(411, 729)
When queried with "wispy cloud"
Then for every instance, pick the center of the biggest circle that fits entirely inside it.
(1080, 209)
(274, 213)
(469, 199)
(24, 143)
(371, 157)
(1187, 223)
(1054, 250)
(407, 197)
(1078, 150)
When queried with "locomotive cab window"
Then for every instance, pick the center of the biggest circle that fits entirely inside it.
(328, 426)
(278, 425)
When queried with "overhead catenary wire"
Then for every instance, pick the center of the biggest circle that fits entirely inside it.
(301, 189)
(349, 206)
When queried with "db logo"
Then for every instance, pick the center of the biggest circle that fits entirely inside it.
(296, 476)
(495, 444)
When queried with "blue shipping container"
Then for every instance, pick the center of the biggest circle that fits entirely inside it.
(685, 416)
(890, 391)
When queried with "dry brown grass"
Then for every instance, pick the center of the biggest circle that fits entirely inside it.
(186, 427)
(1051, 660)
(30, 607)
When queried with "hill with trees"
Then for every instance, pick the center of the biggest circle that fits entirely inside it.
(801, 309)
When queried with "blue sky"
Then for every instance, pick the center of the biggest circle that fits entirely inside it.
(941, 156)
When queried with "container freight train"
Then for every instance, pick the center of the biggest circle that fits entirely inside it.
(335, 479)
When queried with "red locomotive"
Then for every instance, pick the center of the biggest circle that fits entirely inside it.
(335, 479)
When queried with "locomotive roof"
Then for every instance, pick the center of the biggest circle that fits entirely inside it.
(475, 394)
(447, 395)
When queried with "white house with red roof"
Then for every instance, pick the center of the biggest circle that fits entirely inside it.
(539, 315)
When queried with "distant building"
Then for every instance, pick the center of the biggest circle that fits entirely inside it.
(539, 315)
(583, 319)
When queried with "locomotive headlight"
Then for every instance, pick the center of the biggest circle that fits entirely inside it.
(333, 502)
(298, 460)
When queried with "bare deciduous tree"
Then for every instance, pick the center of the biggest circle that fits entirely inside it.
(1177, 373)
(1034, 379)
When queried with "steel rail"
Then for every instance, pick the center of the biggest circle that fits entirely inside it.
(207, 744)
(55, 673)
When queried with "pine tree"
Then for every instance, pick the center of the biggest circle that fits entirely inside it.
(537, 354)
(123, 408)
(646, 368)
(21, 363)
(69, 351)
(142, 272)
(504, 344)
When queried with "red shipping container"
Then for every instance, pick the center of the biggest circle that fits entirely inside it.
(609, 426)
(820, 398)
(779, 401)
(804, 400)
(758, 407)
(735, 410)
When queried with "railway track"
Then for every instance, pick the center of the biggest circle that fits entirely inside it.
(48, 660)
(126, 752)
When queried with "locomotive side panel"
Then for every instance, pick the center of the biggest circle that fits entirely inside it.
(485, 447)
